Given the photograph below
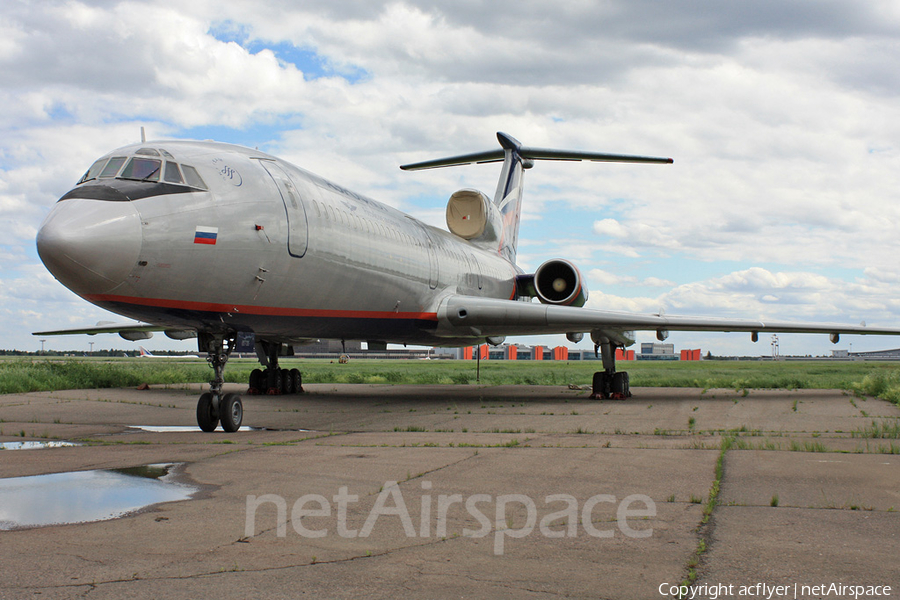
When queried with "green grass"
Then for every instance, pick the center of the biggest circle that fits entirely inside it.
(25, 375)
(18, 375)
(713, 499)
(882, 383)
(886, 429)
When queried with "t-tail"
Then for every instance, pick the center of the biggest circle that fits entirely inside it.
(516, 158)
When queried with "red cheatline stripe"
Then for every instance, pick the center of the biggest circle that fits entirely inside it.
(261, 310)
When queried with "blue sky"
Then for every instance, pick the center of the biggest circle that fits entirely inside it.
(782, 118)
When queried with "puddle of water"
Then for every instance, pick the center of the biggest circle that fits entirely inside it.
(186, 428)
(85, 496)
(34, 445)
(165, 428)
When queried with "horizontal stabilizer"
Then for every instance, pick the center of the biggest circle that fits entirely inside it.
(530, 153)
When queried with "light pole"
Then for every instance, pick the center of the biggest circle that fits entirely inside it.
(42, 345)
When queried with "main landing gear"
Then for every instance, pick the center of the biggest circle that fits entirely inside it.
(608, 384)
(273, 380)
(214, 406)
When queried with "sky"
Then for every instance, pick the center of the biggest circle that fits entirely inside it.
(782, 117)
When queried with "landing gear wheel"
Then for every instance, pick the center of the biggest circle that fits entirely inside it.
(232, 412)
(207, 418)
(256, 382)
(297, 381)
(600, 386)
(618, 388)
(273, 381)
(287, 382)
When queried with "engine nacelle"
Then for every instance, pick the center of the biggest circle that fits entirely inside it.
(135, 336)
(471, 215)
(558, 281)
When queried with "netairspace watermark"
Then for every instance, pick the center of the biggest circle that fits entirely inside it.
(796, 591)
(434, 514)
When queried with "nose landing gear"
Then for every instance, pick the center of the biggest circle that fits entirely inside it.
(214, 406)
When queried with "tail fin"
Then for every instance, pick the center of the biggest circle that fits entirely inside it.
(516, 158)
(145, 353)
(508, 197)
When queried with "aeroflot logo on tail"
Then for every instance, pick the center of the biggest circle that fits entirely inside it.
(206, 235)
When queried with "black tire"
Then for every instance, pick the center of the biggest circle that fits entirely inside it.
(256, 381)
(600, 385)
(207, 418)
(231, 411)
(297, 378)
(273, 381)
(619, 386)
(287, 382)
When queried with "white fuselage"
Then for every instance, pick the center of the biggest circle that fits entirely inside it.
(266, 248)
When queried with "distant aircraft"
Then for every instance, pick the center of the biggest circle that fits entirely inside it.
(209, 240)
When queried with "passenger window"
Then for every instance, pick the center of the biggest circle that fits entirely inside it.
(94, 170)
(143, 169)
(192, 177)
(173, 174)
(112, 167)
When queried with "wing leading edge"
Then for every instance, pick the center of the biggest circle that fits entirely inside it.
(492, 317)
(105, 328)
(130, 331)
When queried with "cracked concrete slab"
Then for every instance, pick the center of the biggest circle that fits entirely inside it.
(806, 546)
(813, 480)
(444, 446)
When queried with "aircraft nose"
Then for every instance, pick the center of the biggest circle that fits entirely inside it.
(90, 246)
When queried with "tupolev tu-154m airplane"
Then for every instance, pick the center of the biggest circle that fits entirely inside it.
(206, 240)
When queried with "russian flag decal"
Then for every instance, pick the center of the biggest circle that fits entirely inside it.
(206, 235)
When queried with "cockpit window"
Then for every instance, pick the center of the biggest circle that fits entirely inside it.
(112, 167)
(139, 167)
(142, 169)
(94, 170)
(173, 175)
(193, 177)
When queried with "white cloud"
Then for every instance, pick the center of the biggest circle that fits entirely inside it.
(782, 118)
(602, 277)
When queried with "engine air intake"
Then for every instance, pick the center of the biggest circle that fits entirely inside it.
(558, 281)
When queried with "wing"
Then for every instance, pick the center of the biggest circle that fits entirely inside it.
(130, 331)
(466, 315)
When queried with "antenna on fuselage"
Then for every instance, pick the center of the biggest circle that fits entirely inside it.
(143, 136)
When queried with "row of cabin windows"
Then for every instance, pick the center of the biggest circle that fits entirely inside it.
(361, 224)
(364, 225)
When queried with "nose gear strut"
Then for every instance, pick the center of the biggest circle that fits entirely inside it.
(214, 406)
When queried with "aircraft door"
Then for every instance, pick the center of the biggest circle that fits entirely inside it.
(298, 225)
(433, 265)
